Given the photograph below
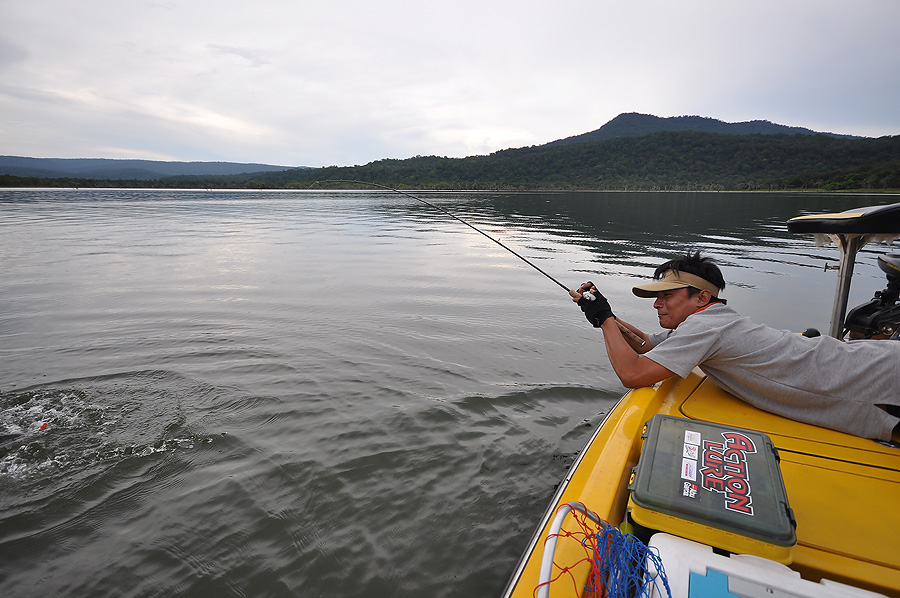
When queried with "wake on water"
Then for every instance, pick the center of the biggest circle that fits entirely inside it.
(78, 425)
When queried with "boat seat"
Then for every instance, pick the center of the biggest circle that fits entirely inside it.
(872, 220)
(850, 231)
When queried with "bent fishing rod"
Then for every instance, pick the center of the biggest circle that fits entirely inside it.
(572, 293)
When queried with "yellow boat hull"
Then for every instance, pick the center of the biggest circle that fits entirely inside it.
(844, 490)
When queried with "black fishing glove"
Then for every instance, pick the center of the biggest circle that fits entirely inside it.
(596, 311)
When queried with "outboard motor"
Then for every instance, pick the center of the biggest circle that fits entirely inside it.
(880, 317)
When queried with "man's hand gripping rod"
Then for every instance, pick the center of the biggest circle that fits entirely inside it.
(626, 332)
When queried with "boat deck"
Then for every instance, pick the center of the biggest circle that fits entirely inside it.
(844, 491)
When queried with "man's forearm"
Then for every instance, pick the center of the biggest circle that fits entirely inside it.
(641, 346)
(632, 369)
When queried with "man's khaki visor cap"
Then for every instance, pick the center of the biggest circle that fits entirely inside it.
(672, 280)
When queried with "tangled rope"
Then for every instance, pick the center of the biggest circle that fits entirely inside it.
(618, 562)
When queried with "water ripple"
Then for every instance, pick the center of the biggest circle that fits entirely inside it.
(332, 392)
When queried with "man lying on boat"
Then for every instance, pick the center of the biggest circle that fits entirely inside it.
(845, 386)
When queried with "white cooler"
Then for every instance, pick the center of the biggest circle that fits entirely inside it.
(695, 571)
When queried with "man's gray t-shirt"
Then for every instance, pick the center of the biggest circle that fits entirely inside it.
(821, 380)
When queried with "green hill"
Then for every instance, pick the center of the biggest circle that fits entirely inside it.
(632, 151)
(633, 125)
(667, 160)
(103, 168)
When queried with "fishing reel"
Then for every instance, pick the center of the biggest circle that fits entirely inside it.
(880, 317)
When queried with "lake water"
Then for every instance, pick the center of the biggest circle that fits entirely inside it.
(330, 393)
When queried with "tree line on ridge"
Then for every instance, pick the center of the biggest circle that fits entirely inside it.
(670, 160)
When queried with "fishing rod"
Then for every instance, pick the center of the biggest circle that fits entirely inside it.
(452, 215)
(572, 293)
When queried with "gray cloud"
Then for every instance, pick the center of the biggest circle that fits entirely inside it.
(248, 55)
(11, 53)
(297, 82)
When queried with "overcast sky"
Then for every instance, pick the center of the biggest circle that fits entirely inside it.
(300, 83)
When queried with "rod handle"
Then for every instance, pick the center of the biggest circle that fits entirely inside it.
(630, 334)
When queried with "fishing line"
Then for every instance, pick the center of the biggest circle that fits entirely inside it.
(452, 215)
(627, 332)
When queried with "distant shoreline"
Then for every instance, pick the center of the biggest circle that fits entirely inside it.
(447, 190)
(660, 161)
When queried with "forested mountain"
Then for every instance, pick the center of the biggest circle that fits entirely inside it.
(627, 159)
(101, 168)
(667, 160)
(633, 124)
